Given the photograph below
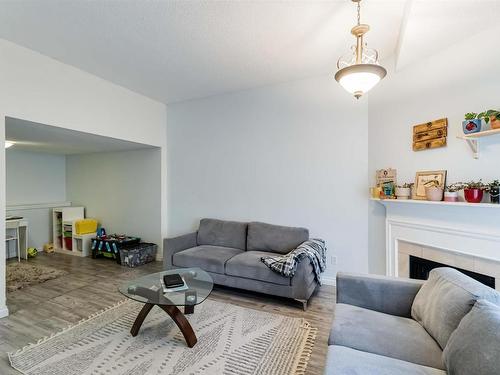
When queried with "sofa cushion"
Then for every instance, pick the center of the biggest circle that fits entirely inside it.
(222, 233)
(274, 238)
(383, 334)
(474, 347)
(206, 257)
(249, 265)
(445, 298)
(346, 361)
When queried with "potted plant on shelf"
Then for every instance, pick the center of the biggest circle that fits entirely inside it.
(492, 116)
(433, 191)
(404, 191)
(451, 192)
(494, 190)
(474, 191)
(472, 123)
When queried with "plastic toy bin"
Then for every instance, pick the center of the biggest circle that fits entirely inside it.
(68, 243)
(138, 255)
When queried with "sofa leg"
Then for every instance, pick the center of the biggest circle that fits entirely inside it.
(303, 302)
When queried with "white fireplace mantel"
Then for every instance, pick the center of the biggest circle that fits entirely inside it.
(458, 228)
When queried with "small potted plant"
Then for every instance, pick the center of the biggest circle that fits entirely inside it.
(492, 116)
(404, 191)
(472, 123)
(451, 192)
(474, 191)
(433, 191)
(388, 190)
(494, 190)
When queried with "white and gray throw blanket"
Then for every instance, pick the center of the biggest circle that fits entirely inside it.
(286, 265)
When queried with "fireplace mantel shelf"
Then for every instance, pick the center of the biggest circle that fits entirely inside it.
(442, 203)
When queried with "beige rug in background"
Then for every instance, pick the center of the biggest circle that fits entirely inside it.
(231, 340)
(23, 274)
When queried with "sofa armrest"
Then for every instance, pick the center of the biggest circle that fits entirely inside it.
(176, 244)
(390, 295)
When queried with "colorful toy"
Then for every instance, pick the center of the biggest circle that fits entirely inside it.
(32, 252)
(109, 246)
(49, 248)
(86, 226)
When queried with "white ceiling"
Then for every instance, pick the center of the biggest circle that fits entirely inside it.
(35, 137)
(178, 50)
(433, 25)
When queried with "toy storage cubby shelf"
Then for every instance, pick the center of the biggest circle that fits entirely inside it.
(63, 230)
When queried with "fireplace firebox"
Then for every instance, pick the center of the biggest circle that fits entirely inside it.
(420, 268)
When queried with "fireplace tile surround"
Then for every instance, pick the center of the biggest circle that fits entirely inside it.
(461, 236)
(469, 263)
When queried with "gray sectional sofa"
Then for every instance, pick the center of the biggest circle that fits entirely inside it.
(449, 324)
(231, 253)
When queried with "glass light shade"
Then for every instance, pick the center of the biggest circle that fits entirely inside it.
(8, 144)
(358, 79)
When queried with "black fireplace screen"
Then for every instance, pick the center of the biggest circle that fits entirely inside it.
(420, 268)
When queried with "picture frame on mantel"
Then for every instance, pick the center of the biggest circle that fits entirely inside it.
(421, 178)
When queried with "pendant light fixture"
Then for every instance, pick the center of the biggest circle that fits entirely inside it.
(359, 71)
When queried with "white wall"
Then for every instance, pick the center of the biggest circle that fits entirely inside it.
(463, 78)
(36, 88)
(120, 189)
(290, 154)
(34, 178)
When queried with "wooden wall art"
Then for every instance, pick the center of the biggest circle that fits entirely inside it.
(430, 135)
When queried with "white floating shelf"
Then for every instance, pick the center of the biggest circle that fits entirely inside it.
(473, 139)
(486, 133)
(442, 203)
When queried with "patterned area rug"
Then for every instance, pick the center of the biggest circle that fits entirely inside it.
(23, 274)
(231, 340)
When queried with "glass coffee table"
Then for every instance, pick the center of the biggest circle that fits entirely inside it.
(149, 290)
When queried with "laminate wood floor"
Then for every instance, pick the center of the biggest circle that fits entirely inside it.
(91, 285)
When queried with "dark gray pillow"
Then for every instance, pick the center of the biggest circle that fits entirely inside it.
(474, 347)
(445, 298)
(275, 238)
(222, 233)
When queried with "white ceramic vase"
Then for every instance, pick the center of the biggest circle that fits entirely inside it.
(434, 193)
(403, 193)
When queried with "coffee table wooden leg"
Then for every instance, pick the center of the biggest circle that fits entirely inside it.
(188, 309)
(140, 318)
(183, 324)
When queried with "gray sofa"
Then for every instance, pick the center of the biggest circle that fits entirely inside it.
(449, 324)
(230, 252)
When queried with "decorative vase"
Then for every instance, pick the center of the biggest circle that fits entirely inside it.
(471, 126)
(495, 194)
(473, 195)
(451, 196)
(494, 122)
(434, 193)
(403, 193)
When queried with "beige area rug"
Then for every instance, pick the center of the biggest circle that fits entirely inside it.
(231, 340)
(23, 274)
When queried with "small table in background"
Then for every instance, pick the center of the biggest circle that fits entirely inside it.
(20, 227)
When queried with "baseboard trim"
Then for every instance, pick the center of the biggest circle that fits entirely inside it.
(329, 280)
(4, 311)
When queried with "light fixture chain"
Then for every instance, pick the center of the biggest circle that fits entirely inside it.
(359, 13)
